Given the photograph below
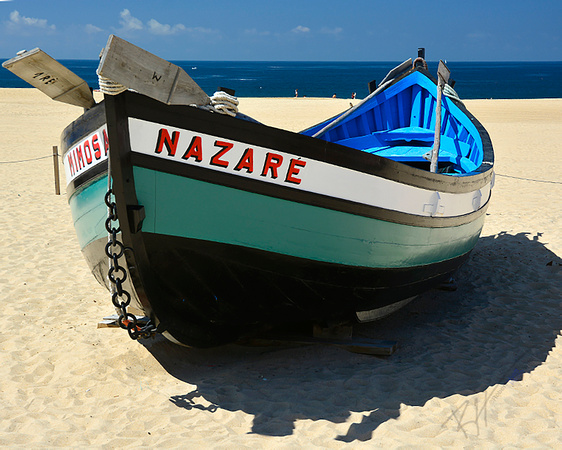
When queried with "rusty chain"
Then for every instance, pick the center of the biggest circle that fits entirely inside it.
(120, 297)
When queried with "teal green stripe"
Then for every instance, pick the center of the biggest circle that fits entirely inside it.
(89, 211)
(183, 207)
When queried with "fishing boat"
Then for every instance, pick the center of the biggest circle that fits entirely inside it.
(227, 227)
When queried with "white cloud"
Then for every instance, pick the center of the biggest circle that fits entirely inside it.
(202, 30)
(156, 27)
(255, 32)
(300, 29)
(92, 29)
(128, 22)
(17, 19)
(335, 31)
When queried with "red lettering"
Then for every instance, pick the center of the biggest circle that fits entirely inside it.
(216, 159)
(195, 149)
(75, 162)
(71, 164)
(88, 152)
(294, 168)
(272, 162)
(80, 157)
(164, 139)
(247, 161)
(96, 146)
(105, 142)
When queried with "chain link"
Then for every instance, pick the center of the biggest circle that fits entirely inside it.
(117, 275)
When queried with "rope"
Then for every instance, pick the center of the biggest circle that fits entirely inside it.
(447, 90)
(110, 87)
(420, 62)
(497, 174)
(221, 102)
(451, 93)
(224, 103)
(529, 179)
(26, 160)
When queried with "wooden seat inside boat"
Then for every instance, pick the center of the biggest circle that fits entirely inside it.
(410, 144)
(408, 153)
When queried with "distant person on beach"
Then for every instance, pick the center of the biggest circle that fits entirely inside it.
(296, 93)
(334, 96)
(353, 95)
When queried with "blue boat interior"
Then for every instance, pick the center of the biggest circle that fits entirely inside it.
(399, 124)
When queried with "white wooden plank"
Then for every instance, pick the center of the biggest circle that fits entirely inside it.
(149, 74)
(51, 77)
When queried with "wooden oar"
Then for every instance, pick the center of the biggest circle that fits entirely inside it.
(135, 68)
(51, 77)
(443, 74)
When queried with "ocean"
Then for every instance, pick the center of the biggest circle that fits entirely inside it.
(474, 80)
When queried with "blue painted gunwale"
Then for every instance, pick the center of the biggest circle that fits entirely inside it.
(399, 122)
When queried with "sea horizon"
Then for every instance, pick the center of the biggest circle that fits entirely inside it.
(473, 79)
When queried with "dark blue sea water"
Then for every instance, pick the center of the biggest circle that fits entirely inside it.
(323, 79)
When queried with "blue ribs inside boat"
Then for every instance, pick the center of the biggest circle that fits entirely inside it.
(398, 123)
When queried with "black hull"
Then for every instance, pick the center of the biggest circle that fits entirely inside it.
(235, 291)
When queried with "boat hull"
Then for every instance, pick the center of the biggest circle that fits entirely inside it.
(221, 244)
(265, 278)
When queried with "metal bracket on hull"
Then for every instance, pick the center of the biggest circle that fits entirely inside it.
(113, 321)
(136, 216)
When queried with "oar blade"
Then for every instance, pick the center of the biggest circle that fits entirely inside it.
(148, 74)
(443, 71)
(51, 77)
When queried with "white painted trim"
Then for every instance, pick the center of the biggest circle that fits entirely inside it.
(316, 176)
(74, 166)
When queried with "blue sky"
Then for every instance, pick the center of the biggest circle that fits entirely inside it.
(290, 30)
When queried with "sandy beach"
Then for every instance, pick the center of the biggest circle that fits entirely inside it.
(476, 368)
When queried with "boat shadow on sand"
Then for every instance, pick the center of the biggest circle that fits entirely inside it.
(500, 324)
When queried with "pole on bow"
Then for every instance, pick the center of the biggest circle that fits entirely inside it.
(443, 74)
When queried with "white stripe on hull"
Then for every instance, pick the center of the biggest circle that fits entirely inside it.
(297, 172)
